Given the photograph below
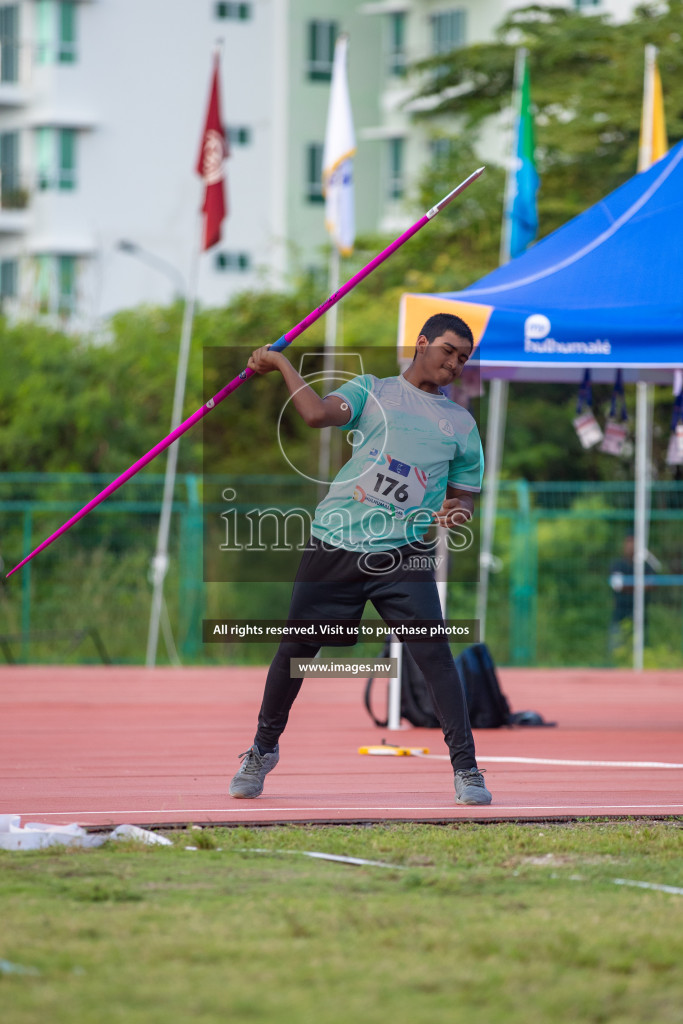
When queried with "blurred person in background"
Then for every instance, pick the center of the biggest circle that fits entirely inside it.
(621, 572)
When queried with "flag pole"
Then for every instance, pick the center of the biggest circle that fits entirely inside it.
(644, 396)
(246, 373)
(160, 561)
(498, 388)
(337, 175)
(325, 449)
(653, 146)
(643, 439)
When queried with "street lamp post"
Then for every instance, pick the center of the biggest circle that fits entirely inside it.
(159, 566)
(157, 262)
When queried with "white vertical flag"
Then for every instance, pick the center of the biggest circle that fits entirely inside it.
(340, 147)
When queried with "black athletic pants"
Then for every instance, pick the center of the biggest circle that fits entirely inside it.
(332, 586)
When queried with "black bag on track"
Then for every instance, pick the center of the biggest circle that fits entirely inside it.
(486, 702)
(487, 705)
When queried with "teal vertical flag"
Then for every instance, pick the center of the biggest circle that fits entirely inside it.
(521, 208)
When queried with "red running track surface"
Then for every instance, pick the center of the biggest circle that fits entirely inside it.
(108, 745)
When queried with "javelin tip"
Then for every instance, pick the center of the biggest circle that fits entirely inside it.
(456, 192)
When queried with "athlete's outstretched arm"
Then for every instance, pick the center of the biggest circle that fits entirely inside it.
(314, 410)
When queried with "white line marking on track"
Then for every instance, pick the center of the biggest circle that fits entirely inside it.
(357, 809)
(561, 761)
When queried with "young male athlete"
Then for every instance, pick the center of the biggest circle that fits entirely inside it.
(417, 460)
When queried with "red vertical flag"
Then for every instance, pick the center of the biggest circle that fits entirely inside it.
(212, 152)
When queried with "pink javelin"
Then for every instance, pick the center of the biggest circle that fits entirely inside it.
(281, 343)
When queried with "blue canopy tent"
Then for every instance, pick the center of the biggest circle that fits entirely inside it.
(603, 292)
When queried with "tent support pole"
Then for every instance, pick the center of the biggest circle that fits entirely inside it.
(495, 433)
(644, 408)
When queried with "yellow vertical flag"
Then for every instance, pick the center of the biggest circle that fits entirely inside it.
(653, 143)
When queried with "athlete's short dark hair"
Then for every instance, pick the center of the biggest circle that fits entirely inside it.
(442, 322)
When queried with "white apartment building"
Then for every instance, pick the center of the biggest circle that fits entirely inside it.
(102, 105)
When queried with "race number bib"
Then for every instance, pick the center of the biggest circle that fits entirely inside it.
(388, 483)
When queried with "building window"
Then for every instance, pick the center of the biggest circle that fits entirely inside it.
(9, 273)
(233, 12)
(396, 185)
(9, 170)
(67, 33)
(56, 158)
(322, 36)
(56, 31)
(233, 261)
(55, 290)
(66, 279)
(237, 135)
(9, 43)
(314, 173)
(397, 43)
(448, 31)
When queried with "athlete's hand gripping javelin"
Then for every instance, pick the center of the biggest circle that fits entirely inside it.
(314, 410)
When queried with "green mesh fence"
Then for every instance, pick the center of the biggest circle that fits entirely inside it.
(94, 579)
(550, 599)
(552, 604)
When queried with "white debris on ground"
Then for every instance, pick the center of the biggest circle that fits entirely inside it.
(36, 835)
(7, 967)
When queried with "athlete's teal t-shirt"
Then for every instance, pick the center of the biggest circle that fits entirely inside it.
(408, 445)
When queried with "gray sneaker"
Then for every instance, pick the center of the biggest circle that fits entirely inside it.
(470, 787)
(248, 782)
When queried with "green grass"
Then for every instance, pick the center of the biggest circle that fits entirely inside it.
(483, 924)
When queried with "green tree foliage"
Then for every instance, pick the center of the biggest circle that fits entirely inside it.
(587, 89)
(69, 404)
(51, 399)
